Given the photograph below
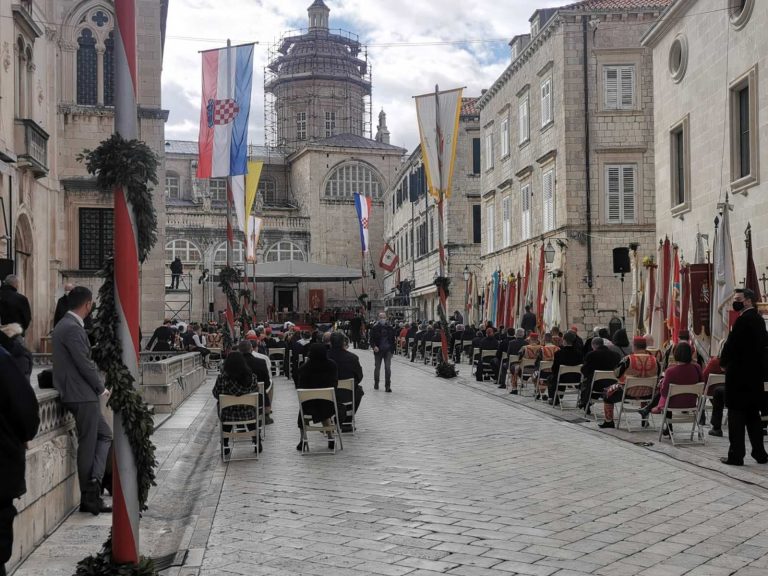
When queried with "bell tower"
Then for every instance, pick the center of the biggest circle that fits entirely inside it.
(318, 16)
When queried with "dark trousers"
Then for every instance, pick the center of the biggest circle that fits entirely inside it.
(7, 514)
(387, 358)
(93, 441)
(738, 422)
(355, 340)
(718, 403)
(175, 281)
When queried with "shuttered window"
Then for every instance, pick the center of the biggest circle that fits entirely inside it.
(525, 212)
(475, 155)
(548, 200)
(506, 231)
(620, 185)
(619, 87)
(490, 230)
(504, 138)
(489, 149)
(546, 102)
(523, 124)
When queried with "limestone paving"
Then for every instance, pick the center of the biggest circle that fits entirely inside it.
(442, 478)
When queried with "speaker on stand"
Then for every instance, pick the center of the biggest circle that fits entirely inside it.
(621, 266)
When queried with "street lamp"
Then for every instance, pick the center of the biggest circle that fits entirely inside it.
(549, 253)
(466, 273)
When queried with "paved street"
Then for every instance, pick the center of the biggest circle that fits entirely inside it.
(442, 478)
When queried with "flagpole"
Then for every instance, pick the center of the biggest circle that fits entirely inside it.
(230, 232)
(441, 248)
(125, 490)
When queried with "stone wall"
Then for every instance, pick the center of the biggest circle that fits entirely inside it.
(167, 383)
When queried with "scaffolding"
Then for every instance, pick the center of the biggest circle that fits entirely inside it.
(317, 84)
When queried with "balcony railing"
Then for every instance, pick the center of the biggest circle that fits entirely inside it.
(32, 146)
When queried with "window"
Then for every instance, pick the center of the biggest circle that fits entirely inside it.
(534, 27)
(238, 253)
(477, 234)
(353, 177)
(506, 236)
(172, 188)
(432, 232)
(96, 237)
(490, 232)
(301, 126)
(523, 122)
(283, 251)
(475, 155)
(619, 87)
(680, 166)
(504, 138)
(678, 58)
(744, 141)
(330, 124)
(548, 200)
(740, 11)
(87, 73)
(546, 102)
(489, 149)
(268, 191)
(525, 212)
(218, 189)
(620, 187)
(183, 249)
(514, 51)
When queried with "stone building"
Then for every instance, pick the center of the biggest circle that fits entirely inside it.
(319, 153)
(708, 134)
(412, 226)
(568, 158)
(56, 100)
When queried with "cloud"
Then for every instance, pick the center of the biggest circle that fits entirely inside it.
(399, 72)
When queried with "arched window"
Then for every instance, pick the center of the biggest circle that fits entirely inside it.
(268, 191)
(87, 68)
(238, 253)
(184, 249)
(284, 250)
(109, 70)
(353, 177)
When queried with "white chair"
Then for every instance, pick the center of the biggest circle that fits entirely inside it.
(503, 367)
(598, 376)
(277, 356)
(348, 408)
(411, 344)
(428, 345)
(564, 388)
(545, 367)
(239, 428)
(486, 356)
(683, 401)
(637, 393)
(457, 350)
(527, 371)
(307, 425)
(714, 381)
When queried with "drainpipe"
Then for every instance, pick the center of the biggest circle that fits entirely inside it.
(587, 165)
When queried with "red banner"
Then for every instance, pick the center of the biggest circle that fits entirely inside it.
(317, 299)
(701, 297)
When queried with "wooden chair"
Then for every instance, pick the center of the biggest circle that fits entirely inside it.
(239, 428)
(636, 395)
(683, 402)
(327, 394)
(564, 388)
(348, 408)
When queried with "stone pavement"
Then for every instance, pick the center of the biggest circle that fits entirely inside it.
(446, 477)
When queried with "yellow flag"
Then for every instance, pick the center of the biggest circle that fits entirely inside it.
(251, 185)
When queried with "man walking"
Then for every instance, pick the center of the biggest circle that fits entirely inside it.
(14, 307)
(743, 357)
(176, 269)
(383, 342)
(77, 379)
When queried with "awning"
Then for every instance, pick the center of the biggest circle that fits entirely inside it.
(298, 271)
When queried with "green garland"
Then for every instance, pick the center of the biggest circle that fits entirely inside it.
(227, 278)
(133, 165)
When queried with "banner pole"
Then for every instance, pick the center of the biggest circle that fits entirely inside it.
(441, 248)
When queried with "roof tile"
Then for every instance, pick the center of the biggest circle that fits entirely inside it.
(589, 5)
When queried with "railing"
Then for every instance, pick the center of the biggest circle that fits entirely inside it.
(45, 360)
(32, 145)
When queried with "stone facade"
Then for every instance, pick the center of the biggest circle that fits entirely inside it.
(412, 283)
(535, 152)
(44, 125)
(700, 66)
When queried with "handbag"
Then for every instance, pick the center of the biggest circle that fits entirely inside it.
(45, 379)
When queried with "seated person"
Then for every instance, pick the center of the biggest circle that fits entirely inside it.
(568, 355)
(259, 368)
(488, 343)
(531, 351)
(236, 379)
(200, 344)
(601, 358)
(639, 364)
(348, 367)
(717, 395)
(548, 351)
(317, 372)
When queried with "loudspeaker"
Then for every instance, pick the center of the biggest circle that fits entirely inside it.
(210, 307)
(621, 260)
(6, 267)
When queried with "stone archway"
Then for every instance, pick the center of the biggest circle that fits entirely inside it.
(23, 253)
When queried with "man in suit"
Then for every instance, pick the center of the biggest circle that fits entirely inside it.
(743, 357)
(14, 306)
(80, 385)
(258, 367)
(600, 358)
(348, 366)
(528, 322)
(568, 355)
(61, 304)
(488, 343)
(383, 343)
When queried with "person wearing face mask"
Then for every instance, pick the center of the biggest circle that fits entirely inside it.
(743, 357)
(383, 342)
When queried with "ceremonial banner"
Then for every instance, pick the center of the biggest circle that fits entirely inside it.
(540, 296)
(363, 206)
(223, 138)
(656, 327)
(252, 179)
(701, 297)
(252, 238)
(316, 299)
(685, 297)
(673, 303)
(751, 280)
(724, 280)
(388, 259)
(664, 286)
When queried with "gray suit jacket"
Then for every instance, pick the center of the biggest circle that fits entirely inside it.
(75, 375)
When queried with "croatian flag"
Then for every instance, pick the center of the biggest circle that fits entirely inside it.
(223, 140)
(363, 206)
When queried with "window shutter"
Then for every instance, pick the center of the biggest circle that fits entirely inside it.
(628, 194)
(523, 121)
(489, 150)
(611, 87)
(505, 215)
(614, 195)
(504, 138)
(526, 212)
(628, 87)
(548, 191)
(490, 228)
(546, 102)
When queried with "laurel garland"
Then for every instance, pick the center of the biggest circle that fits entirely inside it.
(132, 165)
(229, 276)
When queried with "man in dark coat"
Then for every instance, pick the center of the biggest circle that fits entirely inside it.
(19, 420)
(61, 304)
(600, 358)
(383, 343)
(488, 343)
(162, 338)
(348, 366)
(355, 330)
(567, 355)
(528, 322)
(176, 269)
(14, 307)
(743, 357)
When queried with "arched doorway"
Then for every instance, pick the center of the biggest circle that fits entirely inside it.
(23, 247)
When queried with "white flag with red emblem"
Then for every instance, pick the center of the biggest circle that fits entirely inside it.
(388, 259)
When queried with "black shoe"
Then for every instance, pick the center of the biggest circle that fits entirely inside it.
(91, 502)
(761, 460)
(331, 444)
(258, 448)
(501, 386)
(387, 389)
(726, 460)
(607, 424)
(644, 423)
(300, 445)
(347, 428)
(716, 432)
(268, 420)
(513, 391)
(376, 386)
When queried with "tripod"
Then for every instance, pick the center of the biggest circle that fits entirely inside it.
(623, 310)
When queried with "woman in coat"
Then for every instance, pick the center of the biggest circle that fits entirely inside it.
(236, 379)
(318, 372)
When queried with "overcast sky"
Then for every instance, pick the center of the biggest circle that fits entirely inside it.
(479, 29)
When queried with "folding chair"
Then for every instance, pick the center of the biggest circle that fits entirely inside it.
(485, 363)
(327, 394)
(527, 371)
(599, 376)
(475, 358)
(545, 367)
(714, 382)
(348, 408)
(683, 401)
(239, 428)
(512, 365)
(466, 349)
(277, 356)
(457, 351)
(411, 344)
(437, 353)
(503, 367)
(428, 344)
(564, 388)
(262, 416)
(637, 393)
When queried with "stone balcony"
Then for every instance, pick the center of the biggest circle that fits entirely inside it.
(31, 146)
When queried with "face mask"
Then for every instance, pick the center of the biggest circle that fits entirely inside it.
(738, 306)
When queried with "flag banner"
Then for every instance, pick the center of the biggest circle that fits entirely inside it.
(685, 297)
(363, 206)
(252, 238)
(238, 201)
(316, 299)
(657, 326)
(665, 285)
(540, 295)
(388, 259)
(724, 280)
(438, 117)
(252, 184)
(673, 303)
(226, 103)
(701, 297)
(751, 280)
